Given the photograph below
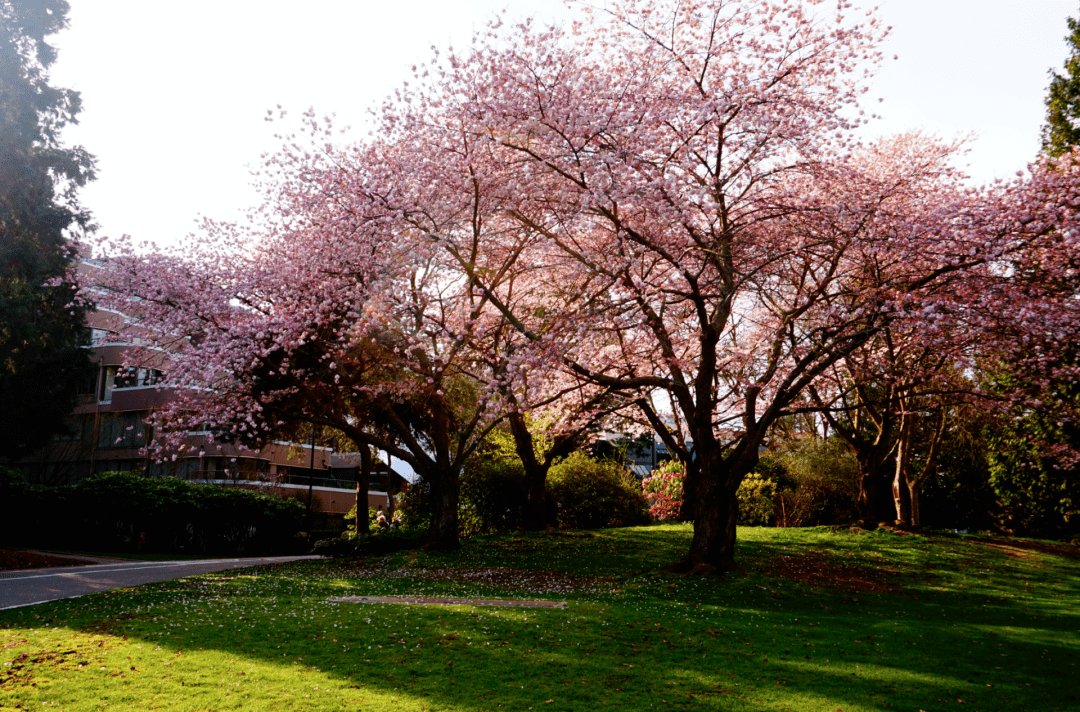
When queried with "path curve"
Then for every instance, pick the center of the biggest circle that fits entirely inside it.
(32, 586)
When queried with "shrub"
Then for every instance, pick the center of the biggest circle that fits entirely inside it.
(350, 520)
(123, 511)
(383, 541)
(492, 497)
(415, 506)
(662, 490)
(756, 495)
(817, 482)
(590, 494)
(493, 494)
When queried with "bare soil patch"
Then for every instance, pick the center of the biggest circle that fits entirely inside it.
(12, 560)
(817, 571)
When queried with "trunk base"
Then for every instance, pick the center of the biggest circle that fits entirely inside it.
(441, 545)
(687, 567)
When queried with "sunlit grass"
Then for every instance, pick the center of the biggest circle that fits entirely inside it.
(816, 620)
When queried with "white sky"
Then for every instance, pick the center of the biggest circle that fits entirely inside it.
(174, 94)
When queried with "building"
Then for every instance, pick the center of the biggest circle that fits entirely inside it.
(108, 432)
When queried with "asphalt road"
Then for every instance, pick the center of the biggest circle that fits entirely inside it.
(32, 586)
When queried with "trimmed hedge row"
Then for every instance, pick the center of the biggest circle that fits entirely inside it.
(125, 512)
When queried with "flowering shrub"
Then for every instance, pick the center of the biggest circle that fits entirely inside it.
(663, 491)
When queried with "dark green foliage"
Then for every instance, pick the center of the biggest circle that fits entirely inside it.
(126, 512)
(493, 494)
(1062, 127)
(591, 494)
(958, 494)
(1039, 494)
(379, 543)
(817, 482)
(415, 504)
(41, 320)
(1032, 451)
(350, 520)
(583, 493)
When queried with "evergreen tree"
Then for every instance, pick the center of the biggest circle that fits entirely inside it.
(1062, 128)
(42, 320)
(1032, 461)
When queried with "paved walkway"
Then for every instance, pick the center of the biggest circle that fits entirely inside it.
(32, 586)
(80, 558)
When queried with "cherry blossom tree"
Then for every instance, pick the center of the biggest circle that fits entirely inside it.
(327, 311)
(879, 397)
(343, 304)
(1028, 313)
(687, 171)
(664, 203)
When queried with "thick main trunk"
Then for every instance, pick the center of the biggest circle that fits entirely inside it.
(535, 475)
(713, 547)
(715, 511)
(445, 496)
(875, 501)
(536, 494)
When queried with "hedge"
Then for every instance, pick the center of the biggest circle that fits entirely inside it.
(126, 512)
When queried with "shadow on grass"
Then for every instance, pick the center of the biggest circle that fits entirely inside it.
(945, 630)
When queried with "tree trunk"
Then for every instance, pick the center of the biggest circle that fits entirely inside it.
(691, 490)
(713, 547)
(901, 498)
(913, 493)
(445, 496)
(536, 493)
(874, 502)
(901, 486)
(715, 510)
(362, 523)
(535, 475)
(915, 483)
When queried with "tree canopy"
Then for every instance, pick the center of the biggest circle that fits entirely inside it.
(669, 205)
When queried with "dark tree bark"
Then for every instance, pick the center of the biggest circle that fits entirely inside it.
(444, 479)
(362, 523)
(869, 437)
(535, 474)
(445, 498)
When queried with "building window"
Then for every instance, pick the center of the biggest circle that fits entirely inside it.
(122, 430)
(108, 382)
(131, 377)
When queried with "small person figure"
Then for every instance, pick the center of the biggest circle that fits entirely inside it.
(381, 521)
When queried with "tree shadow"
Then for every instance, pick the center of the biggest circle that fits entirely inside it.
(756, 640)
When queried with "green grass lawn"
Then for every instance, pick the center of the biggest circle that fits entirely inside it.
(816, 620)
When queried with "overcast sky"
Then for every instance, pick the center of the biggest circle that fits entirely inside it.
(174, 94)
